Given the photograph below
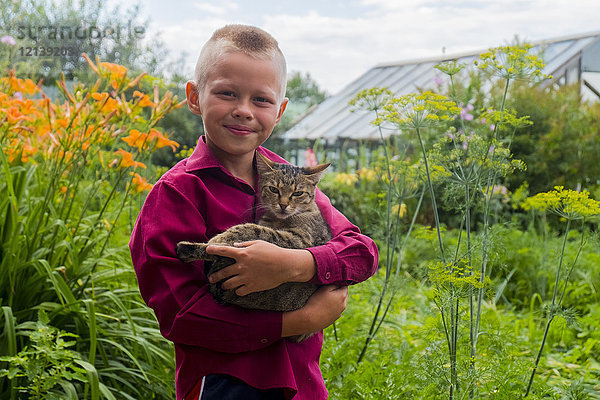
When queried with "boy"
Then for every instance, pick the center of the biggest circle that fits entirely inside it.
(222, 351)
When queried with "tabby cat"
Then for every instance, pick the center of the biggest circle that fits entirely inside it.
(291, 220)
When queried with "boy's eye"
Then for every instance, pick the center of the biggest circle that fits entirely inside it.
(262, 100)
(226, 93)
(297, 194)
(273, 189)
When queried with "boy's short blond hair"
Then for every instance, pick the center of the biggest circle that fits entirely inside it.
(246, 39)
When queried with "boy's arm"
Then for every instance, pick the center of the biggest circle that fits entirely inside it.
(177, 292)
(349, 257)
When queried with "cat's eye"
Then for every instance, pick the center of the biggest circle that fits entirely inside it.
(273, 189)
(297, 193)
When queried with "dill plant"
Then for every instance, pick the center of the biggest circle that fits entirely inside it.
(467, 162)
(571, 206)
(398, 184)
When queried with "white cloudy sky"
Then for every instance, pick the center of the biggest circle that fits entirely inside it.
(336, 41)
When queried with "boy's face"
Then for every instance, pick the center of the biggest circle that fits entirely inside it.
(239, 104)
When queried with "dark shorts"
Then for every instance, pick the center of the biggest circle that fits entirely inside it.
(225, 387)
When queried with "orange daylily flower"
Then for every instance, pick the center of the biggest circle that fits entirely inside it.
(139, 184)
(110, 103)
(127, 160)
(116, 71)
(162, 141)
(15, 84)
(137, 139)
(144, 99)
(99, 96)
(19, 150)
(144, 140)
(14, 115)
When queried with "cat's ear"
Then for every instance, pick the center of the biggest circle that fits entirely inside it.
(314, 173)
(263, 163)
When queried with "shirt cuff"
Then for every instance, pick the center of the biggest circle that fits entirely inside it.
(326, 262)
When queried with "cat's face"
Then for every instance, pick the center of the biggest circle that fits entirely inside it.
(286, 190)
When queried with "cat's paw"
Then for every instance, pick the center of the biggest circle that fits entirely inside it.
(189, 251)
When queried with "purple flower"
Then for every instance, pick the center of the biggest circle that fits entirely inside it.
(464, 114)
(483, 120)
(492, 127)
(465, 145)
(19, 95)
(491, 150)
(451, 135)
(437, 80)
(9, 40)
(470, 107)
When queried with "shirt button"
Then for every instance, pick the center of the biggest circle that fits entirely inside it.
(263, 341)
(327, 275)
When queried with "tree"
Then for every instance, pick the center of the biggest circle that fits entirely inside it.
(51, 36)
(304, 90)
(303, 93)
(562, 145)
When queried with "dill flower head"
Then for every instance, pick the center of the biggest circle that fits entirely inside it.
(457, 274)
(450, 67)
(418, 110)
(512, 62)
(566, 203)
(507, 117)
(371, 99)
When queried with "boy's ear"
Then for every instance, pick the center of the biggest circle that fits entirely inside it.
(191, 92)
(282, 107)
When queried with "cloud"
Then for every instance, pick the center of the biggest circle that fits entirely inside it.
(338, 44)
(221, 10)
(337, 49)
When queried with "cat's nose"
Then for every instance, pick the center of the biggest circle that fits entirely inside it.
(283, 206)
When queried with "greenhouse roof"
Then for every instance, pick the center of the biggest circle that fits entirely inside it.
(567, 59)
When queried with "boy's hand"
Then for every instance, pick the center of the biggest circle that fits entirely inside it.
(323, 308)
(261, 265)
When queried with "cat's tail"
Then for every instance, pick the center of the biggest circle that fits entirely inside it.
(189, 251)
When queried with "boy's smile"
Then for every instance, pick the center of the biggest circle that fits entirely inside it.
(240, 104)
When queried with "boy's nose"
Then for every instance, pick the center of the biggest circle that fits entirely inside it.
(242, 110)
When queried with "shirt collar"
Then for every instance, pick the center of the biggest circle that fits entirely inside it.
(203, 158)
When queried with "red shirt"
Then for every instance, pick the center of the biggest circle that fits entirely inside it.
(195, 200)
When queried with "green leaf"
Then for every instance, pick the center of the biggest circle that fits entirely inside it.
(60, 286)
(43, 317)
(69, 390)
(9, 330)
(89, 304)
(106, 392)
(92, 378)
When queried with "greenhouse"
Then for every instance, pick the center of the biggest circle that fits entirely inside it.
(568, 59)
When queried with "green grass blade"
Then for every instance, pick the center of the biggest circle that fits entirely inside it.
(59, 285)
(129, 354)
(106, 393)
(9, 331)
(89, 304)
(69, 390)
(92, 378)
